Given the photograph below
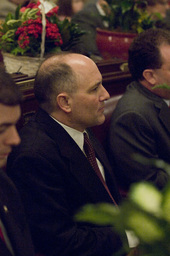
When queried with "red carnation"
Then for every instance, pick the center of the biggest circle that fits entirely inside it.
(52, 11)
(31, 6)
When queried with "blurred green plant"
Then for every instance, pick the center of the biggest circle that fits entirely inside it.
(162, 86)
(128, 16)
(145, 212)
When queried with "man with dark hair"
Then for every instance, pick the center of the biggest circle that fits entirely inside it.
(141, 121)
(15, 238)
(51, 168)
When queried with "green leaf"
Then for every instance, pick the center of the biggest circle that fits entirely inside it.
(166, 203)
(24, 14)
(13, 23)
(147, 197)
(163, 86)
(101, 214)
(17, 12)
(129, 15)
(145, 226)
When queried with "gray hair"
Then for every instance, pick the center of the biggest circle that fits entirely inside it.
(53, 78)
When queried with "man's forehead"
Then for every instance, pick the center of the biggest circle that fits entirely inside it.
(9, 114)
(77, 60)
(165, 51)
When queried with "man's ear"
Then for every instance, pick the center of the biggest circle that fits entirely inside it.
(63, 101)
(150, 76)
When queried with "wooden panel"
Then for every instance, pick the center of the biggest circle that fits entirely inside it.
(110, 66)
(29, 104)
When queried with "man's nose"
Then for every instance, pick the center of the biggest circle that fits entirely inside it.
(13, 138)
(105, 94)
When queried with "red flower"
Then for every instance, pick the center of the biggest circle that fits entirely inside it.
(31, 6)
(52, 11)
(52, 33)
(23, 40)
(31, 30)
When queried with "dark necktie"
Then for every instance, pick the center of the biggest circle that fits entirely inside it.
(1, 235)
(90, 154)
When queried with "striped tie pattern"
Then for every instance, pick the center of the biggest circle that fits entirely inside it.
(1, 235)
(90, 154)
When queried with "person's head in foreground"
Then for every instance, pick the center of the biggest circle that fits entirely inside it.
(149, 60)
(69, 87)
(10, 99)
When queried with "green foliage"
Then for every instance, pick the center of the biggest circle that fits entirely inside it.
(8, 38)
(146, 212)
(163, 86)
(70, 33)
(128, 16)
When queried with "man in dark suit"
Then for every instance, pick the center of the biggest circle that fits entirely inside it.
(15, 238)
(141, 121)
(50, 167)
(88, 19)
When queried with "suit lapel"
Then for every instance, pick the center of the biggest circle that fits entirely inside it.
(109, 175)
(164, 111)
(82, 170)
(4, 250)
(12, 217)
(164, 115)
(87, 177)
(5, 218)
(79, 166)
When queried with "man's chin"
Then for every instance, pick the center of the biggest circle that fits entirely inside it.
(100, 120)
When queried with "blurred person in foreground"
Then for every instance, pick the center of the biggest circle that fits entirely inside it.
(140, 123)
(50, 167)
(15, 238)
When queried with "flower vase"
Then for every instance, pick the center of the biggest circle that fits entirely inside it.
(21, 64)
(112, 44)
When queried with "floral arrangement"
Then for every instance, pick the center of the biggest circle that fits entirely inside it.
(21, 34)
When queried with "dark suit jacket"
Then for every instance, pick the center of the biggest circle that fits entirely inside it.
(13, 219)
(88, 19)
(55, 180)
(140, 124)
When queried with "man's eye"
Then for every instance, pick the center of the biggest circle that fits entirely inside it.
(96, 88)
(2, 130)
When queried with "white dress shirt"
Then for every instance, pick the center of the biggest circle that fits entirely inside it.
(78, 137)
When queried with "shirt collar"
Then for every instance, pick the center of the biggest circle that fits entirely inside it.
(77, 136)
(167, 102)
